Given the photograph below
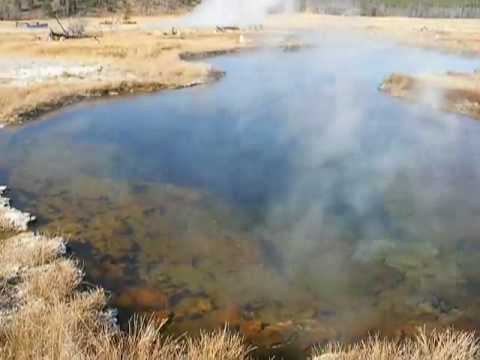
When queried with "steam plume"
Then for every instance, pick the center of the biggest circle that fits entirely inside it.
(235, 12)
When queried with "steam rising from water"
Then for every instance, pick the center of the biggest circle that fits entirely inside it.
(235, 12)
(341, 176)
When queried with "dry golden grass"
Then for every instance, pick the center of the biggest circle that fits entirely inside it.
(52, 330)
(79, 330)
(448, 344)
(451, 35)
(132, 60)
(144, 341)
(37, 282)
(21, 252)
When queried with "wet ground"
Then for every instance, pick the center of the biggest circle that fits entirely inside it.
(290, 200)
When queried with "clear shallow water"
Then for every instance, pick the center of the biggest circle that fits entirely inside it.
(291, 199)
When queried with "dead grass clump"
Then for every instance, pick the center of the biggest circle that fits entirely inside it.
(53, 330)
(51, 282)
(447, 344)
(144, 342)
(218, 345)
(79, 331)
(28, 250)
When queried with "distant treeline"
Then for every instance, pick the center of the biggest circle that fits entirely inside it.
(412, 8)
(22, 9)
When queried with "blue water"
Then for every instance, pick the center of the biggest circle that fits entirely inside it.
(291, 191)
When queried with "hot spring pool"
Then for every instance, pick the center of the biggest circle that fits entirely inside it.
(291, 199)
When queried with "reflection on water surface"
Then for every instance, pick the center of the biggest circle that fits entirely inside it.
(290, 200)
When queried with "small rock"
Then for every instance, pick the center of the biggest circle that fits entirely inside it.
(231, 315)
(195, 308)
(143, 298)
(277, 333)
(252, 329)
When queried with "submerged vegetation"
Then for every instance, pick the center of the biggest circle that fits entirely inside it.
(45, 313)
(48, 312)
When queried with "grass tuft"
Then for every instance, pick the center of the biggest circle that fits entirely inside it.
(446, 344)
